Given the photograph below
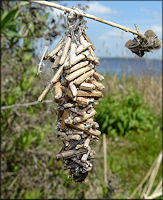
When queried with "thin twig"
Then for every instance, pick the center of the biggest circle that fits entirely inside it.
(46, 3)
(145, 178)
(25, 104)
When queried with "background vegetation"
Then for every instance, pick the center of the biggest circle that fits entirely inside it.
(130, 115)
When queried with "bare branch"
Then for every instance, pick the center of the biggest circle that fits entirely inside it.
(25, 104)
(46, 3)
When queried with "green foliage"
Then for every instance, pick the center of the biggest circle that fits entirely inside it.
(118, 114)
(131, 157)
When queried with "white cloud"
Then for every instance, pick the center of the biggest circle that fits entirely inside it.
(114, 34)
(97, 8)
(151, 13)
(156, 28)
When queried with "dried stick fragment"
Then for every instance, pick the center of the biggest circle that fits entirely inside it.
(96, 59)
(84, 157)
(66, 63)
(83, 41)
(89, 40)
(57, 59)
(95, 103)
(58, 90)
(85, 117)
(82, 48)
(60, 113)
(56, 62)
(72, 52)
(79, 162)
(95, 94)
(68, 93)
(84, 101)
(99, 86)
(87, 141)
(72, 144)
(87, 86)
(88, 55)
(66, 143)
(71, 153)
(79, 146)
(68, 105)
(45, 92)
(57, 48)
(94, 125)
(98, 76)
(81, 127)
(66, 114)
(83, 77)
(73, 89)
(77, 73)
(77, 66)
(57, 75)
(65, 51)
(77, 111)
(77, 59)
(73, 137)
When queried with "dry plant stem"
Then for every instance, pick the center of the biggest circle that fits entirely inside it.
(87, 86)
(83, 77)
(58, 90)
(152, 177)
(95, 94)
(99, 86)
(105, 158)
(56, 62)
(45, 92)
(77, 73)
(87, 141)
(73, 89)
(139, 187)
(74, 110)
(88, 55)
(81, 127)
(77, 59)
(57, 75)
(85, 117)
(68, 105)
(71, 153)
(98, 76)
(79, 146)
(89, 16)
(77, 66)
(68, 93)
(25, 104)
(69, 137)
(84, 101)
(72, 52)
(65, 116)
(82, 48)
(89, 40)
(65, 51)
(96, 60)
(158, 187)
(57, 48)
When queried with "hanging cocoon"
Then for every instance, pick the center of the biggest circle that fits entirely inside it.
(76, 90)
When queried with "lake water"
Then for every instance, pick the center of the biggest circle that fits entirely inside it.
(130, 66)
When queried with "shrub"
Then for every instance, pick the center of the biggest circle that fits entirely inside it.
(118, 114)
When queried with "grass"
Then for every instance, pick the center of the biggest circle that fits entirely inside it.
(31, 155)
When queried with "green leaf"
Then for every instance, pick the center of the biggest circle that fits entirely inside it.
(9, 16)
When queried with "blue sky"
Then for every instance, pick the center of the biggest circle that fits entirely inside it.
(110, 41)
